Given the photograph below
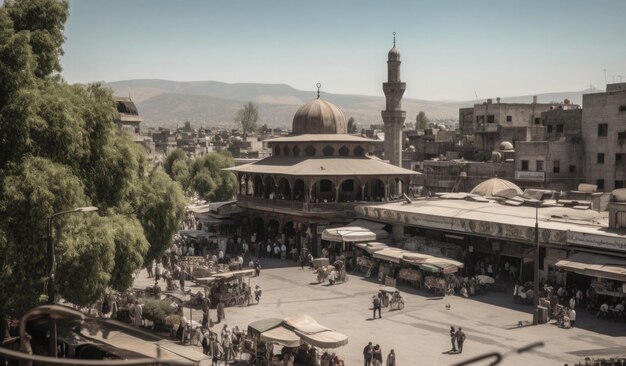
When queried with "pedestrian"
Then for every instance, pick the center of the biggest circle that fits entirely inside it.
(376, 304)
(377, 354)
(391, 358)
(181, 280)
(157, 272)
(216, 352)
(149, 269)
(572, 303)
(206, 342)
(453, 338)
(301, 261)
(460, 338)
(257, 268)
(367, 354)
(220, 256)
(240, 261)
(269, 250)
(572, 317)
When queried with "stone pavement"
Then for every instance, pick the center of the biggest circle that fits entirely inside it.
(420, 332)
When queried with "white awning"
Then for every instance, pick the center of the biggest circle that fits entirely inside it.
(390, 254)
(282, 336)
(325, 340)
(372, 246)
(357, 231)
(595, 265)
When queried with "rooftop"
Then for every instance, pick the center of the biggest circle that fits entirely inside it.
(325, 137)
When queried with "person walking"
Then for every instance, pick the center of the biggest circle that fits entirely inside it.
(460, 339)
(391, 358)
(377, 354)
(367, 354)
(257, 268)
(301, 259)
(377, 306)
(453, 338)
(572, 317)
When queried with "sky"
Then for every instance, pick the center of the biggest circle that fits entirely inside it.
(451, 50)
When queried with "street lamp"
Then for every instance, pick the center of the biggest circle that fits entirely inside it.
(536, 204)
(51, 265)
(51, 261)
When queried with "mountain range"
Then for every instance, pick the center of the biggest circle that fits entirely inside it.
(168, 103)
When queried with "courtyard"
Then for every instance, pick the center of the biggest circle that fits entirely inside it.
(420, 332)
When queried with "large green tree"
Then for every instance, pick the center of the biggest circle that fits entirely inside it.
(60, 149)
(204, 176)
(421, 121)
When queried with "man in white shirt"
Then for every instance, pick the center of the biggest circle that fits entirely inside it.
(572, 316)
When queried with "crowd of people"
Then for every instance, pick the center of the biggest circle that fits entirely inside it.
(373, 356)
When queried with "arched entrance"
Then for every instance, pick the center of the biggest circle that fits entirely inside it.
(299, 190)
(272, 229)
(258, 229)
(289, 236)
(257, 186)
(284, 189)
(323, 191)
(270, 187)
(349, 190)
(374, 190)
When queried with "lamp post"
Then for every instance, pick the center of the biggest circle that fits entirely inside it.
(536, 203)
(51, 265)
(51, 261)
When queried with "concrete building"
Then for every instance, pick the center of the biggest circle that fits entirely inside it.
(604, 136)
(557, 162)
(393, 115)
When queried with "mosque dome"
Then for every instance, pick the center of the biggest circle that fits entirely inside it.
(491, 187)
(394, 54)
(505, 145)
(319, 116)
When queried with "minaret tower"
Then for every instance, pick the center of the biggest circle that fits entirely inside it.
(393, 115)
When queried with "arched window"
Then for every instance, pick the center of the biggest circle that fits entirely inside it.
(344, 151)
(276, 150)
(286, 150)
(309, 151)
(296, 151)
(358, 151)
(328, 151)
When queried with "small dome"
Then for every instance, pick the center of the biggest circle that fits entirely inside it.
(319, 116)
(505, 145)
(394, 54)
(491, 187)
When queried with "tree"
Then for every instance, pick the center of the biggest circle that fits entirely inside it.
(209, 180)
(247, 117)
(160, 212)
(421, 121)
(352, 127)
(60, 149)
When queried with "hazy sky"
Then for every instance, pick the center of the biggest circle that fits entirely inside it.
(450, 49)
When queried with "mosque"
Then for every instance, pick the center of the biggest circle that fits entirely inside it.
(318, 175)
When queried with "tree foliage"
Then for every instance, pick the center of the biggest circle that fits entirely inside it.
(352, 127)
(60, 149)
(421, 121)
(247, 117)
(203, 176)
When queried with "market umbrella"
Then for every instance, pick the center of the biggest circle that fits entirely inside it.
(484, 279)
(261, 326)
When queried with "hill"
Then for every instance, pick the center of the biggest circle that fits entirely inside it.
(211, 103)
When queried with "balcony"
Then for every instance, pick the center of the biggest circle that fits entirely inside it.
(487, 127)
(345, 209)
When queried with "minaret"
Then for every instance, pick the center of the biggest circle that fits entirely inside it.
(393, 115)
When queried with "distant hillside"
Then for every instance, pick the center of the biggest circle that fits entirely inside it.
(212, 103)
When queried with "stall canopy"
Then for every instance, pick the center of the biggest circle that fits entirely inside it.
(393, 255)
(314, 333)
(356, 231)
(595, 265)
(264, 325)
(371, 247)
(430, 263)
(282, 336)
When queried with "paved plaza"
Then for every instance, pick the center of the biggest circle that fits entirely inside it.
(420, 332)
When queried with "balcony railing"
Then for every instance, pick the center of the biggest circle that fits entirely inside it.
(317, 207)
(487, 127)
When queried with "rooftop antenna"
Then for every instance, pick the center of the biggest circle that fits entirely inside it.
(318, 89)
(604, 77)
(394, 39)
(475, 94)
